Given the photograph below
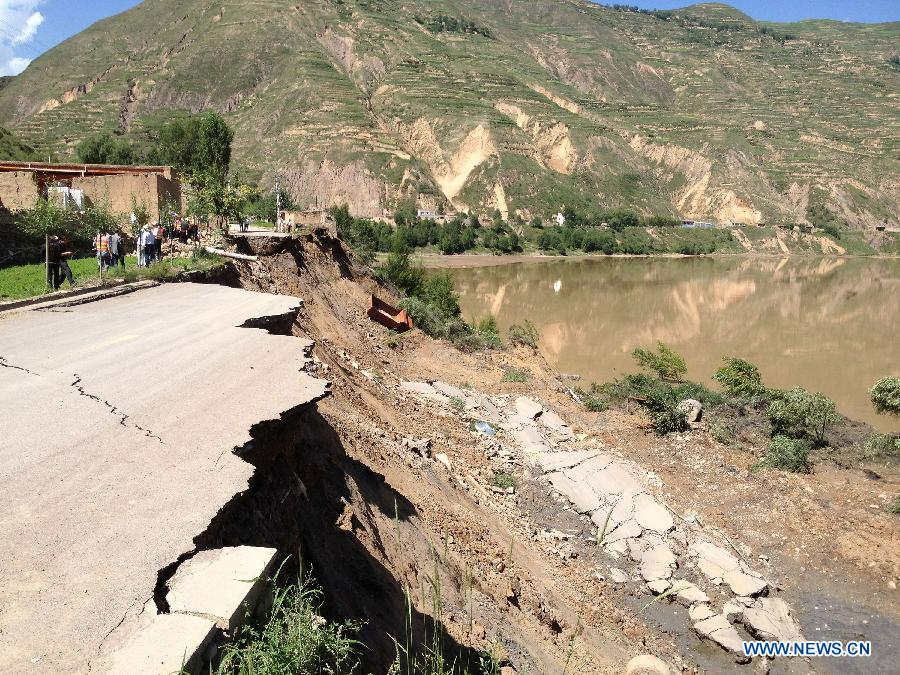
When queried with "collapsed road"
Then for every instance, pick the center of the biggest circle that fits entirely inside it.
(117, 448)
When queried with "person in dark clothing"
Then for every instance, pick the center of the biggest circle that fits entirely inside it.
(58, 267)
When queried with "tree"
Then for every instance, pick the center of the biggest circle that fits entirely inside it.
(213, 154)
(196, 145)
(103, 148)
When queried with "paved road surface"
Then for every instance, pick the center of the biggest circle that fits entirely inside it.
(117, 419)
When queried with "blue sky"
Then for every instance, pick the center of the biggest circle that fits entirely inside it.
(30, 27)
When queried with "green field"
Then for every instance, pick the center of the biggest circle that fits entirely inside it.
(27, 281)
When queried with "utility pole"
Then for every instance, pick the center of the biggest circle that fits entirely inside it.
(277, 203)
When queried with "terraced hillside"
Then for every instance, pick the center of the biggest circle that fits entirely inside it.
(517, 105)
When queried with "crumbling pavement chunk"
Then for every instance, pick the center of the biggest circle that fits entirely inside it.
(221, 583)
(770, 619)
(657, 563)
(651, 515)
(717, 629)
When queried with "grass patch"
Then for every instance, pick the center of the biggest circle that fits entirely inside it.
(28, 281)
(893, 506)
(168, 269)
(504, 481)
(294, 638)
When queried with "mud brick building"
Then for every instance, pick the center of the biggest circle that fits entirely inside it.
(21, 183)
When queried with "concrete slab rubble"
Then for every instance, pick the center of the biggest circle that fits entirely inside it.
(222, 583)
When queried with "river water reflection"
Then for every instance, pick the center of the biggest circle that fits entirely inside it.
(828, 324)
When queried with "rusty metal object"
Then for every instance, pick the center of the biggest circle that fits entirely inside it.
(388, 315)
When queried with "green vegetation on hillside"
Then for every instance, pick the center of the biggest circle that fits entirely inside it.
(528, 107)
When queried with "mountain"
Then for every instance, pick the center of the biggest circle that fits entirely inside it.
(519, 105)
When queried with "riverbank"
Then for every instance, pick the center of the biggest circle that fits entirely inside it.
(407, 491)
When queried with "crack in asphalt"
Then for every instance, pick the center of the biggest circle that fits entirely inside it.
(6, 364)
(113, 410)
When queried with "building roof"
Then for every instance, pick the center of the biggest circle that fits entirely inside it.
(70, 170)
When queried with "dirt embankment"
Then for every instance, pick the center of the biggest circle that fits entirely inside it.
(385, 496)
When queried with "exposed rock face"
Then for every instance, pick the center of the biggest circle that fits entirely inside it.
(326, 184)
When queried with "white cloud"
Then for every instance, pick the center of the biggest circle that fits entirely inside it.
(19, 24)
(14, 66)
(29, 29)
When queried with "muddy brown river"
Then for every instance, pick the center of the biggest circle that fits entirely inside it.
(828, 324)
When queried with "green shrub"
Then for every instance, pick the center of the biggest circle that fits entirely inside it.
(399, 271)
(740, 379)
(801, 414)
(789, 454)
(504, 481)
(669, 420)
(667, 364)
(525, 334)
(595, 403)
(513, 375)
(457, 404)
(893, 506)
(882, 446)
(293, 639)
(438, 290)
(487, 332)
(885, 396)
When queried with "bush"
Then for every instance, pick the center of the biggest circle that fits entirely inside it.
(789, 454)
(740, 379)
(525, 334)
(599, 240)
(487, 331)
(438, 290)
(293, 639)
(667, 364)
(399, 271)
(885, 396)
(801, 414)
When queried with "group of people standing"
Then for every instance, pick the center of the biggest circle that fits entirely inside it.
(149, 244)
(110, 250)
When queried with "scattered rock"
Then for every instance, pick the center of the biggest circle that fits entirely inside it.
(717, 563)
(733, 610)
(717, 629)
(742, 583)
(555, 423)
(646, 664)
(443, 459)
(687, 593)
(692, 409)
(659, 586)
(657, 563)
(617, 575)
(527, 407)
